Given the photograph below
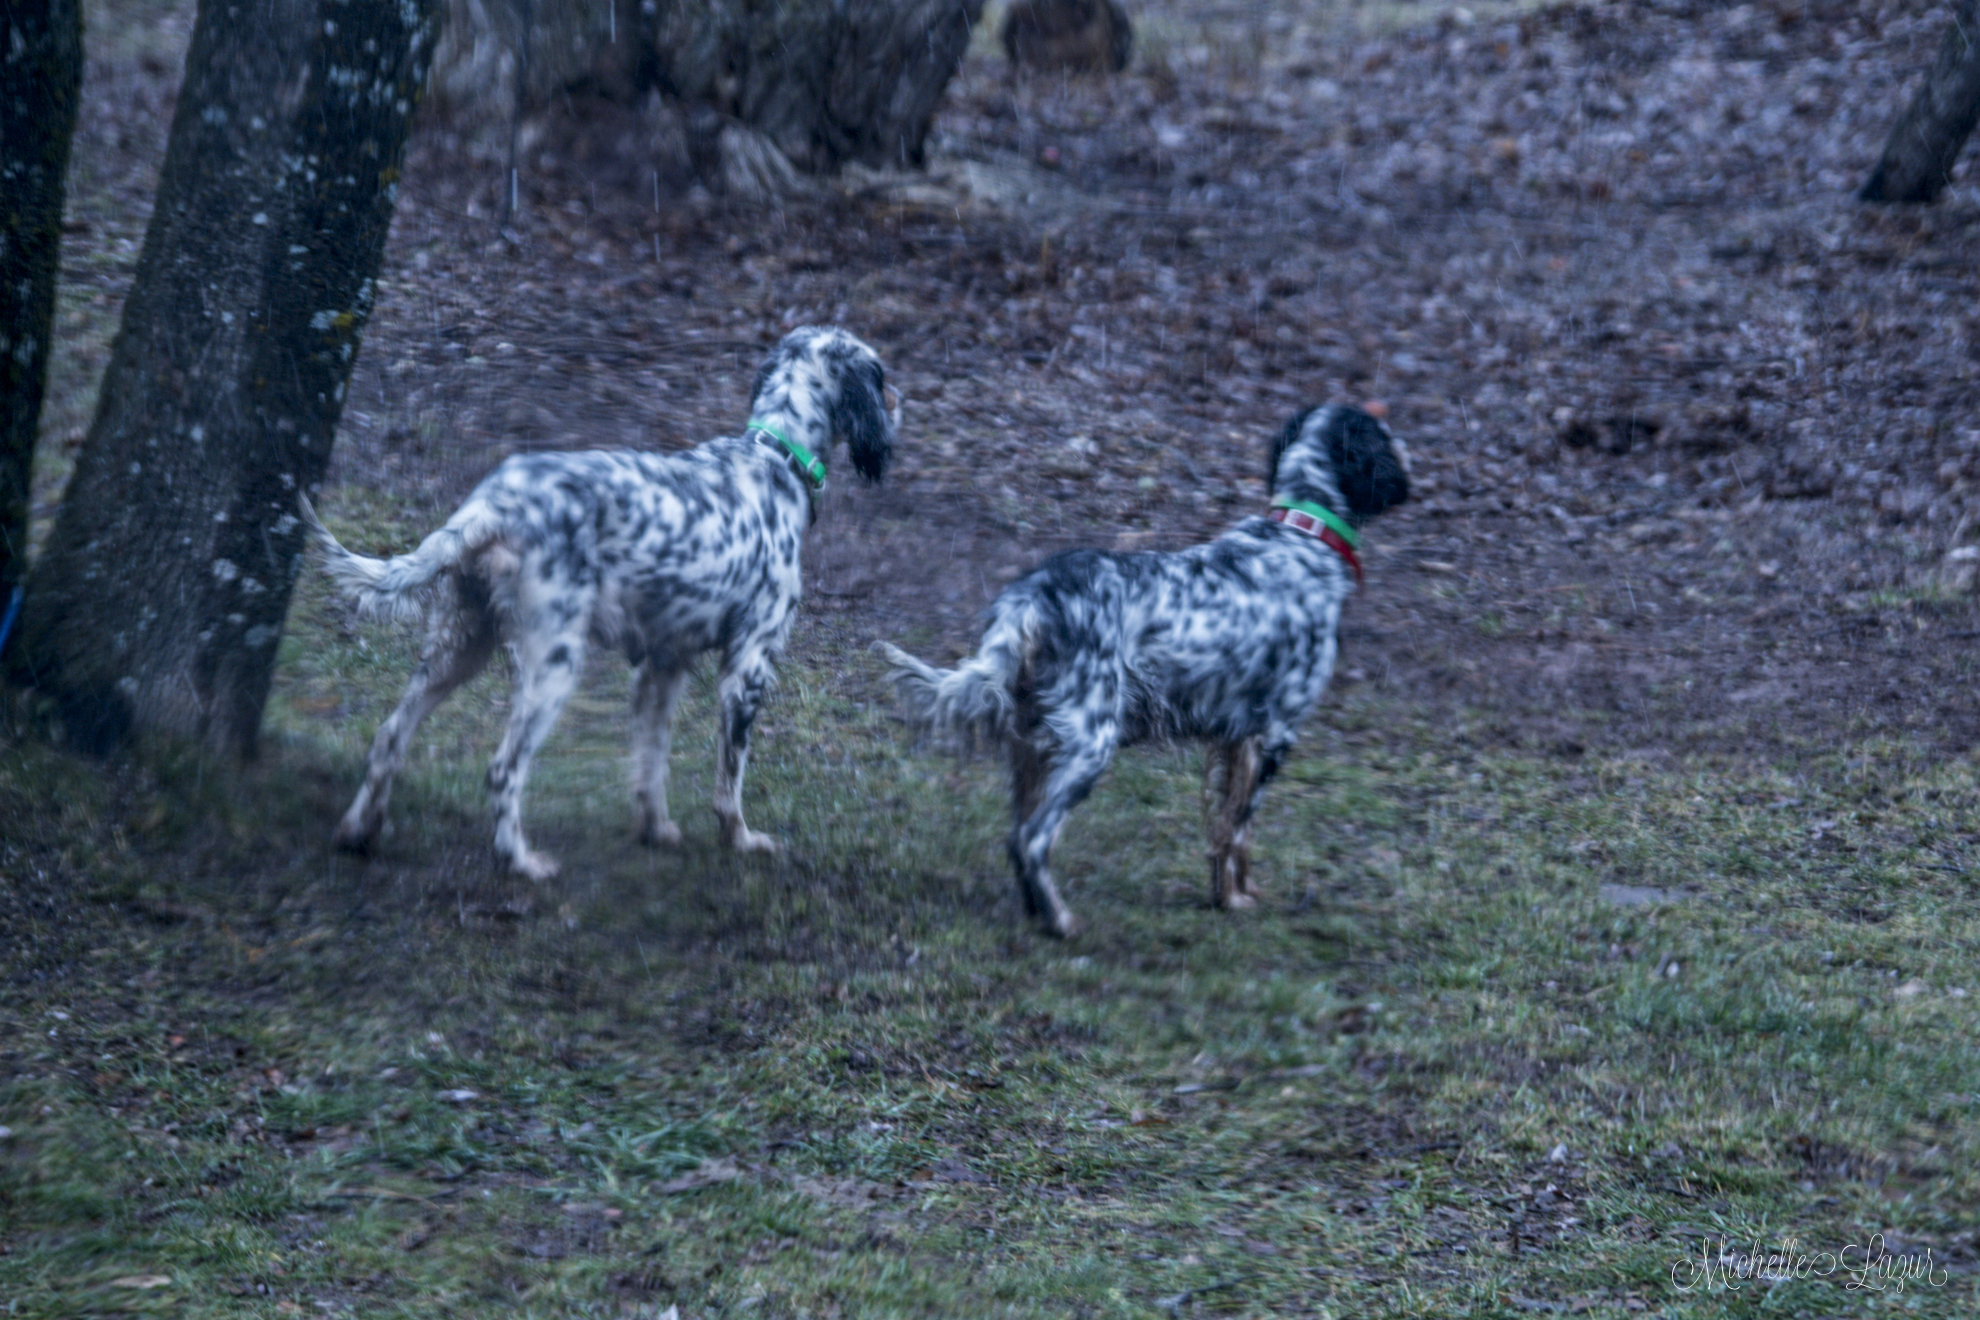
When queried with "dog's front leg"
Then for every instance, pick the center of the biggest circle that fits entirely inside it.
(742, 694)
(1254, 763)
(656, 693)
(1230, 775)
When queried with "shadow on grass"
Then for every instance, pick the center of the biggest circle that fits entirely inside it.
(1511, 1034)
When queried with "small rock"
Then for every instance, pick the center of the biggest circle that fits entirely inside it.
(708, 1173)
(1960, 571)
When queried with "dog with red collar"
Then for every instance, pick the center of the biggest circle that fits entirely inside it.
(1231, 642)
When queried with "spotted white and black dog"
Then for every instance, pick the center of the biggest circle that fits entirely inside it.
(1231, 642)
(665, 555)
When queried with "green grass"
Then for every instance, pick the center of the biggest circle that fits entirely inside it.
(1513, 1034)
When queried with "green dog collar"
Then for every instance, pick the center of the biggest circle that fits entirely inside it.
(1341, 526)
(809, 463)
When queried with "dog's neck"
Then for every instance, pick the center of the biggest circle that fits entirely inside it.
(1307, 497)
(789, 411)
(1309, 478)
(1323, 525)
(809, 464)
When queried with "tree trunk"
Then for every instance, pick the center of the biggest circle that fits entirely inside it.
(158, 601)
(1919, 156)
(826, 82)
(40, 75)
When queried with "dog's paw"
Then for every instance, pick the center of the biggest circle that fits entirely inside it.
(742, 838)
(533, 865)
(746, 840)
(660, 834)
(1064, 925)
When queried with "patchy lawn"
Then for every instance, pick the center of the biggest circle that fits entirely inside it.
(1515, 1035)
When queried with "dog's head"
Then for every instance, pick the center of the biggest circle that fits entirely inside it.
(824, 373)
(1340, 456)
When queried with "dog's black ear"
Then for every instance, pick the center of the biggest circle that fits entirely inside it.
(1281, 445)
(1366, 464)
(860, 415)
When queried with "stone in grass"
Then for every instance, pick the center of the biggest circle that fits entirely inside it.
(706, 1174)
(1960, 572)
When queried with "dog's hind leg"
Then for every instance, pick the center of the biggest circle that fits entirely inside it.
(460, 636)
(744, 680)
(1029, 767)
(1230, 778)
(1074, 771)
(656, 693)
(549, 655)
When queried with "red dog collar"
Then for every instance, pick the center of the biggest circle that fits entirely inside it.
(1326, 535)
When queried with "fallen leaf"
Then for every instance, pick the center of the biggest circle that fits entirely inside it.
(706, 1174)
(142, 1281)
(952, 1170)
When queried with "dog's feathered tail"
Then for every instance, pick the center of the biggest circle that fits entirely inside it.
(976, 699)
(394, 586)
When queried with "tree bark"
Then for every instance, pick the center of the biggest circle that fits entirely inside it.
(1926, 141)
(1073, 36)
(826, 82)
(40, 76)
(158, 602)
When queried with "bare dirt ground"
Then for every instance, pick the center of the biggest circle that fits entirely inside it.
(1690, 426)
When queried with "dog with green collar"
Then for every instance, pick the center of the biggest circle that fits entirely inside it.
(661, 555)
(1231, 642)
